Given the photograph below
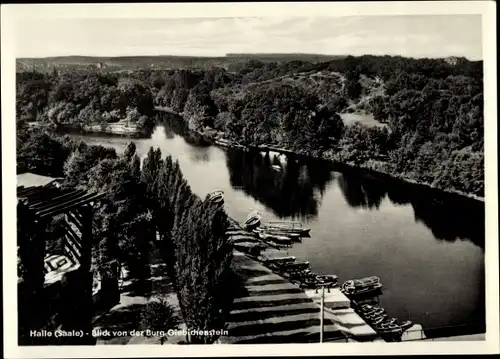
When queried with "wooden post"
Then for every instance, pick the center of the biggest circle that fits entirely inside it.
(31, 300)
(79, 293)
(322, 318)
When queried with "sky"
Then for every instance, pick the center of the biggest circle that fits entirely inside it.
(414, 36)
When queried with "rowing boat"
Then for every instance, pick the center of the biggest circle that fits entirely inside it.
(216, 196)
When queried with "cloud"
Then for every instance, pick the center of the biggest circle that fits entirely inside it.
(433, 36)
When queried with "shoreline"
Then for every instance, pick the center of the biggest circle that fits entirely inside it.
(212, 139)
(110, 131)
(225, 143)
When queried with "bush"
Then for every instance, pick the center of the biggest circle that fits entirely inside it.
(159, 316)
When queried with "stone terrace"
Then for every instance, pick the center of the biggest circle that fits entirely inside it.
(269, 309)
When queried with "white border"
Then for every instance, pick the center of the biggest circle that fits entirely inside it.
(11, 13)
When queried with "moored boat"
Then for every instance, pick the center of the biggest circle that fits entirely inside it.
(388, 329)
(378, 319)
(291, 235)
(361, 286)
(281, 260)
(296, 266)
(303, 232)
(329, 280)
(253, 214)
(274, 237)
(216, 196)
(406, 325)
(253, 220)
(293, 227)
(251, 223)
(391, 321)
(372, 312)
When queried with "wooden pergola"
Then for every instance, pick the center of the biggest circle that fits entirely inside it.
(36, 208)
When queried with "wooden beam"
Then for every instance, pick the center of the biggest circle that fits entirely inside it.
(63, 207)
(71, 252)
(56, 200)
(72, 217)
(75, 238)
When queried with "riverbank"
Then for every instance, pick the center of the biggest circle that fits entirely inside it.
(375, 167)
(115, 129)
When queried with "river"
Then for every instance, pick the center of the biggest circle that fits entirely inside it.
(427, 249)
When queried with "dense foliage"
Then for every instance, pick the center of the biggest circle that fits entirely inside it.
(429, 113)
(83, 98)
(141, 203)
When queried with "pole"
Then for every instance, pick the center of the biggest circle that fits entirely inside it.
(322, 314)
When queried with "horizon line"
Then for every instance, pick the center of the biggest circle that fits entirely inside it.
(226, 55)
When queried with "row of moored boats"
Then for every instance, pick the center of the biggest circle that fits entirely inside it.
(280, 233)
(375, 316)
(379, 320)
(300, 273)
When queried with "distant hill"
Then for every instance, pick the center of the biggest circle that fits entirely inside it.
(287, 57)
(159, 62)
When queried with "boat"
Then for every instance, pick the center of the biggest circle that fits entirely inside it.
(406, 325)
(274, 237)
(292, 227)
(253, 214)
(252, 221)
(379, 319)
(291, 235)
(296, 266)
(327, 280)
(374, 315)
(374, 312)
(216, 196)
(301, 274)
(391, 321)
(388, 329)
(372, 309)
(276, 167)
(281, 260)
(302, 232)
(361, 286)
(308, 283)
(366, 307)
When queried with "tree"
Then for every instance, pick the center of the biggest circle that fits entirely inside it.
(42, 153)
(130, 151)
(149, 174)
(123, 221)
(82, 160)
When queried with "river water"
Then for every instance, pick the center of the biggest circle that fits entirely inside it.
(428, 249)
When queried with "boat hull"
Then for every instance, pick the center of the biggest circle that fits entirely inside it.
(364, 292)
(303, 232)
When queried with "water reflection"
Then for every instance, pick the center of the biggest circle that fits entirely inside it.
(451, 223)
(175, 125)
(360, 191)
(289, 190)
(199, 155)
(293, 187)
